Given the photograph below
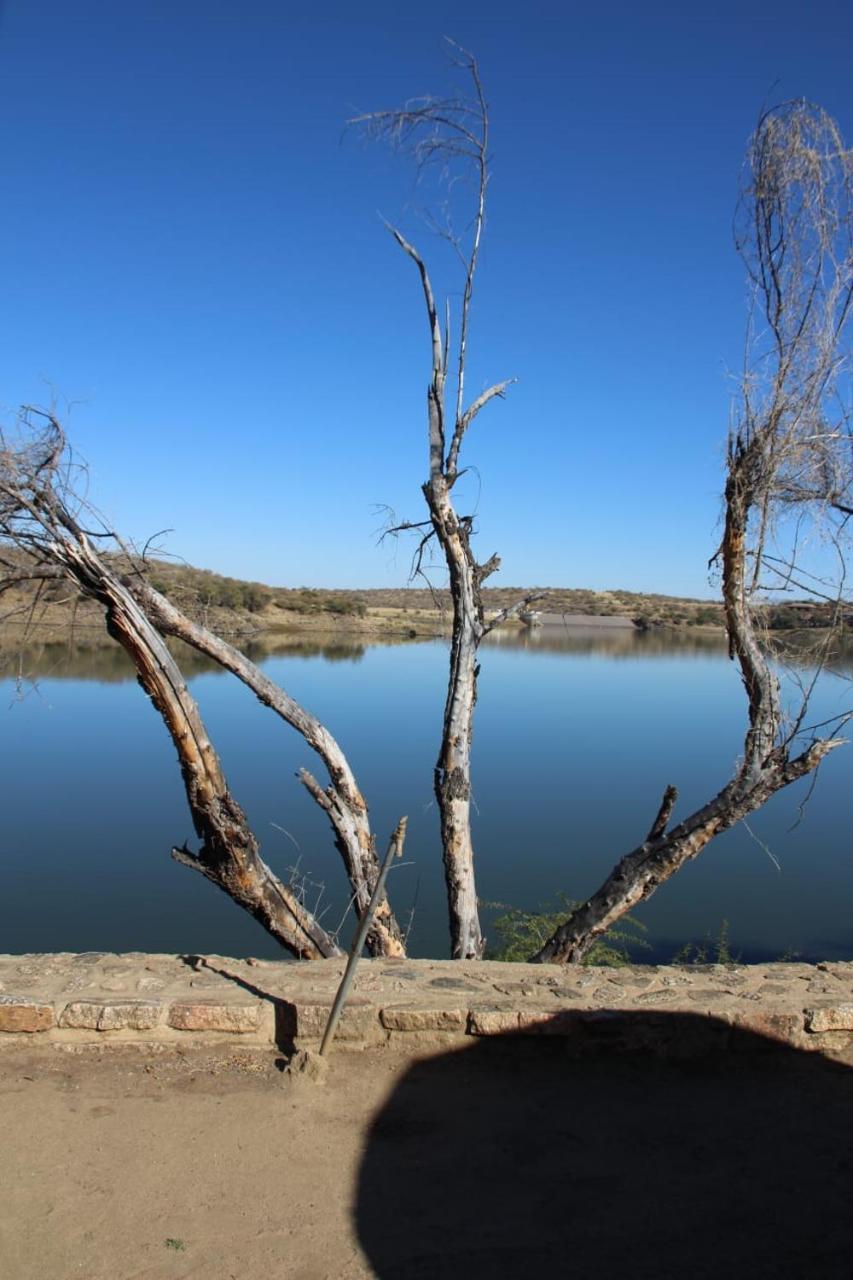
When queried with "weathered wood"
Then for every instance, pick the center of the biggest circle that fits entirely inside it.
(342, 800)
(229, 855)
(663, 814)
(37, 514)
(785, 455)
(458, 129)
(637, 875)
(766, 766)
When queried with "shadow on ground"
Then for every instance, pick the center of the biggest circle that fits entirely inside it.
(514, 1158)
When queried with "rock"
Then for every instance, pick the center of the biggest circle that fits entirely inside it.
(358, 1020)
(410, 1018)
(454, 984)
(836, 1017)
(567, 993)
(81, 1015)
(515, 989)
(112, 1015)
(17, 1013)
(666, 996)
(130, 1015)
(781, 1028)
(204, 1015)
(538, 1022)
(493, 1022)
(419, 1043)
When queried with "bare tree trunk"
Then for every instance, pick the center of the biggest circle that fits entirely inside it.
(453, 793)
(229, 855)
(766, 766)
(342, 800)
(453, 766)
(455, 130)
(786, 457)
(39, 515)
(642, 871)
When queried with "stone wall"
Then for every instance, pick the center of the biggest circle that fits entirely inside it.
(422, 1005)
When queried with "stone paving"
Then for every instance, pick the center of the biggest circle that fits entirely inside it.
(422, 1005)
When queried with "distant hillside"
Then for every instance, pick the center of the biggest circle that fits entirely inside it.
(236, 606)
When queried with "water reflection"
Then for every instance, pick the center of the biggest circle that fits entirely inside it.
(337, 649)
(577, 733)
(99, 658)
(800, 649)
(616, 642)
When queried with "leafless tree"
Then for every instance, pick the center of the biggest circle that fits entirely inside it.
(451, 136)
(44, 536)
(788, 480)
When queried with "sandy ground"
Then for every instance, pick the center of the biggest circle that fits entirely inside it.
(499, 1160)
(175, 1166)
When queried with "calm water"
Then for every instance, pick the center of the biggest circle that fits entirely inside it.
(576, 736)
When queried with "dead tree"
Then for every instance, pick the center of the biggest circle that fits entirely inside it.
(452, 135)
(788, 468)
(342, 800)
(40, 517)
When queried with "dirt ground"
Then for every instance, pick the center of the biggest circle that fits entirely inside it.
(502, 1159)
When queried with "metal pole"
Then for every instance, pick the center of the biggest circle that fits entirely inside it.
(395, 849)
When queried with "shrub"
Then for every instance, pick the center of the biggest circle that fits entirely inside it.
(522, 933)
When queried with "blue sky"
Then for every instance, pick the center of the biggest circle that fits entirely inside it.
(193, 265)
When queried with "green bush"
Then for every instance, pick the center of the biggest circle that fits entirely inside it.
(347, 608)
(522, 933)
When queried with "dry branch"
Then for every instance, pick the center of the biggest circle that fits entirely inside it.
(38, 515)
(787, 454)
(342, 800)
(455, 133)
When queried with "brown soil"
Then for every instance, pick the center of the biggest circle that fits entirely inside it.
(503, 1159)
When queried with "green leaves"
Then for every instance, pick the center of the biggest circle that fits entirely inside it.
(522, 933)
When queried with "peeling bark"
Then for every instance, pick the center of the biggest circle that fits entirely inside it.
(766, 766)
(342, 800)
(37, 515)
(459, 129)
(637, 875)
(452, 779)
(229, 855)
(786, 456)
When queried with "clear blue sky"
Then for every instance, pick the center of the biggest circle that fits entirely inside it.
(190, 255)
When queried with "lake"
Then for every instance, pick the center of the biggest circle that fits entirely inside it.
(577, 734)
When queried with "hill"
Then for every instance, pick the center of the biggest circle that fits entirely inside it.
(235, 606)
